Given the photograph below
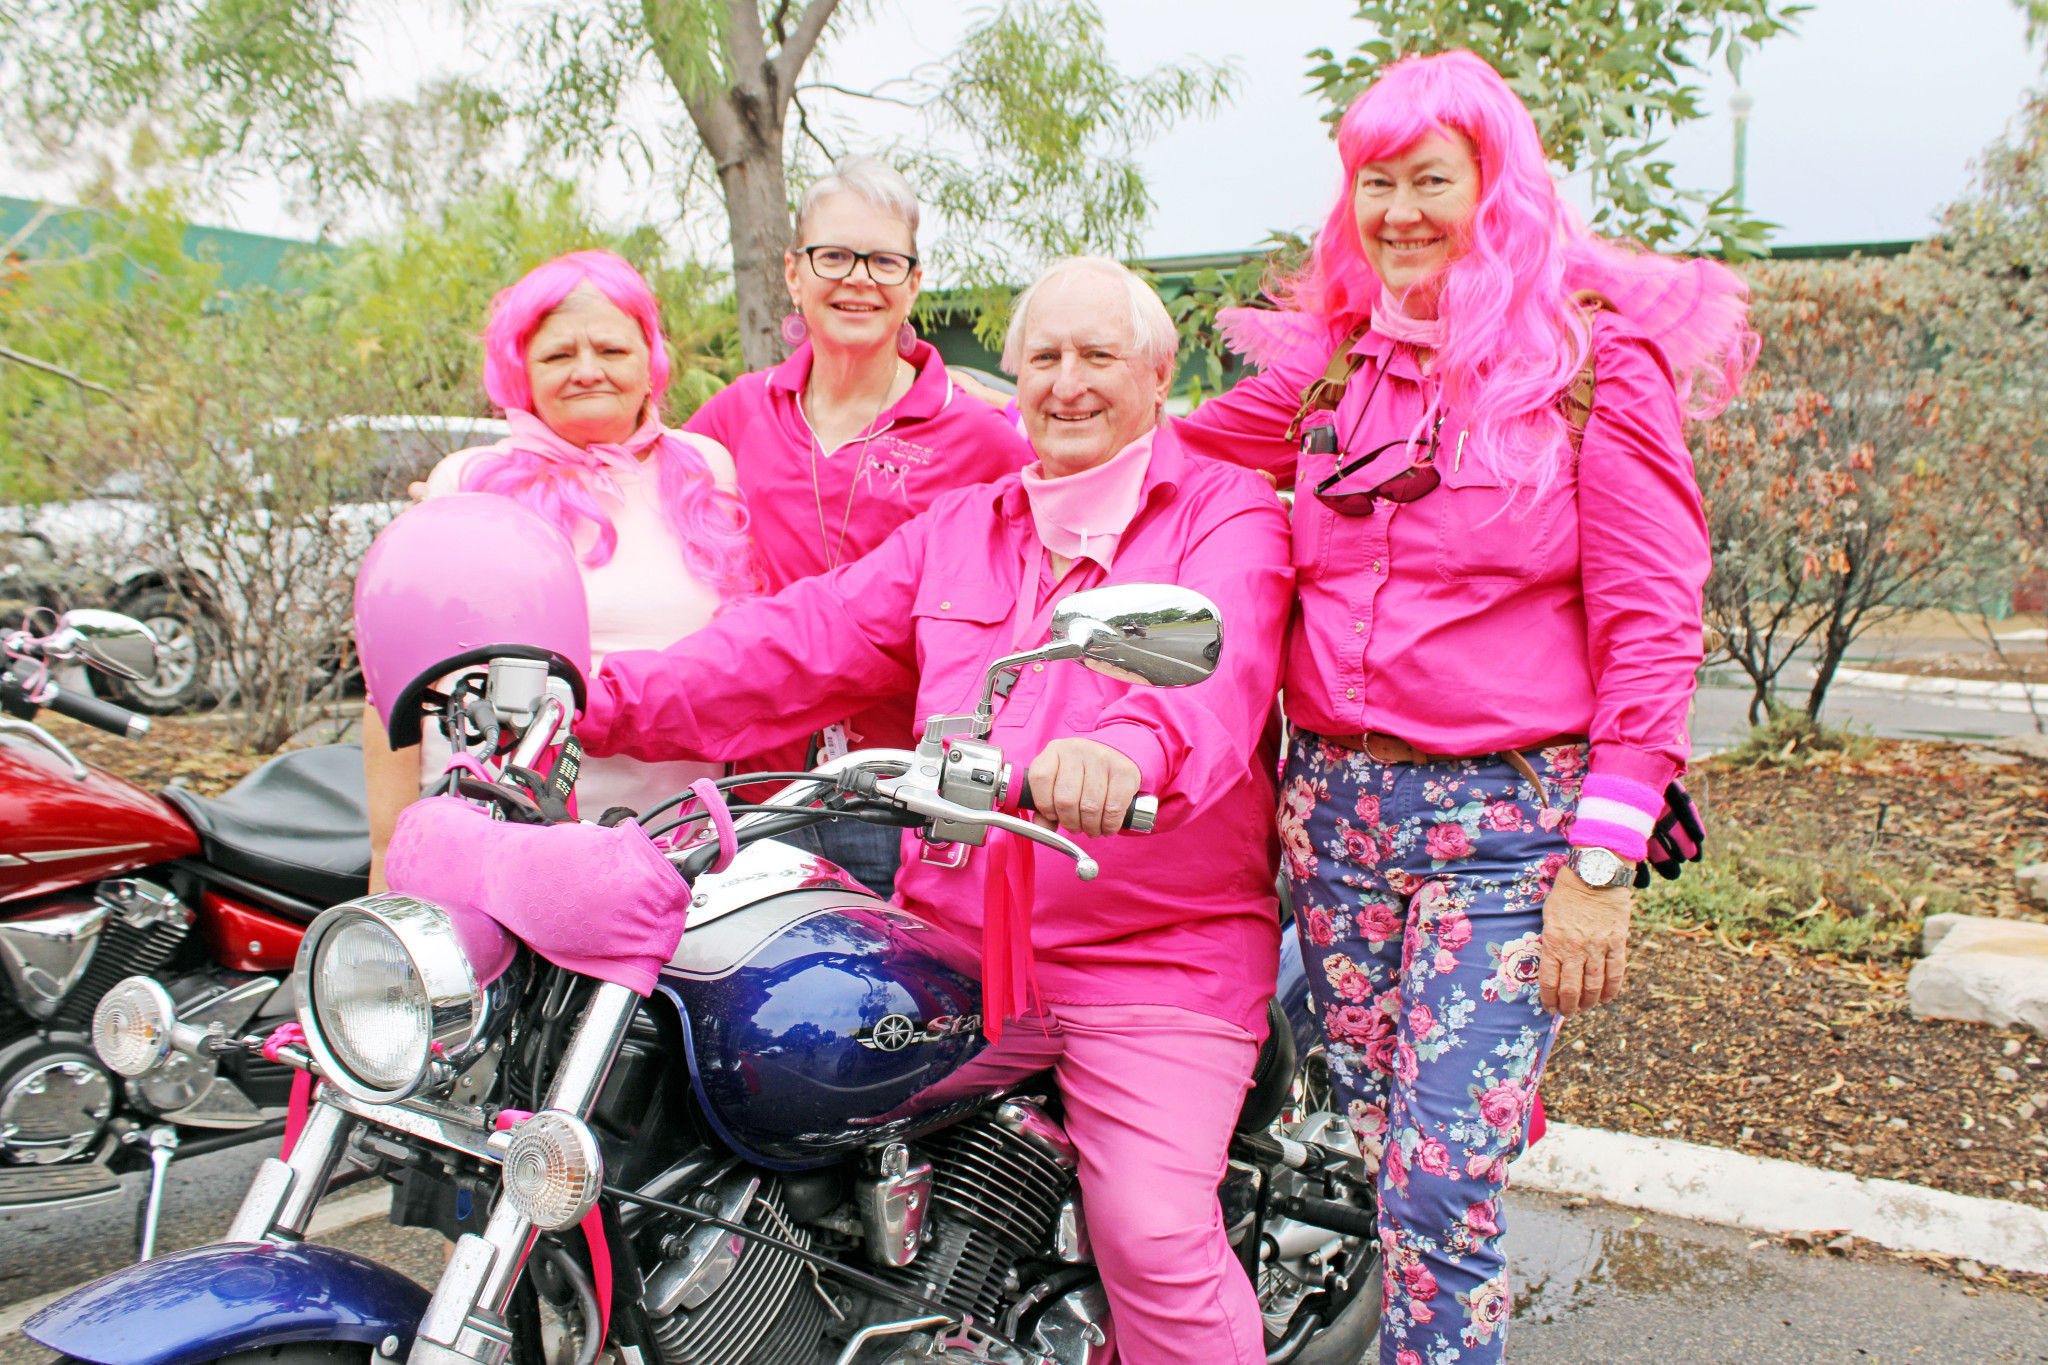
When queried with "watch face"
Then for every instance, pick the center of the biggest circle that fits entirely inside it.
(1597, 867)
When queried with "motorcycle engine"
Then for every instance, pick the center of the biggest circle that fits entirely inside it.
(998, 1182)
(717, 1298)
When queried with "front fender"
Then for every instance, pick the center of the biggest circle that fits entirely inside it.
(215, 1300)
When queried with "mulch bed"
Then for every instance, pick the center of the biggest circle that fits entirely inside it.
(1757, 1045)
(191, 751)
(2025, 663)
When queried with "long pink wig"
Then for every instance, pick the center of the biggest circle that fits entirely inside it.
(709, 521)
(1513, 338)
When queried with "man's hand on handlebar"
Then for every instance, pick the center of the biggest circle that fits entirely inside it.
(1082, 786)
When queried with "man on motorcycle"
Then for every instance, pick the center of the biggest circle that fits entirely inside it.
(1148, 991)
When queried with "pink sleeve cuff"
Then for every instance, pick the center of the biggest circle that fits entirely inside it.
(1141, 746)
(1617, 814)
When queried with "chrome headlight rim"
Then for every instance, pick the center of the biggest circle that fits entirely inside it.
(426, 935)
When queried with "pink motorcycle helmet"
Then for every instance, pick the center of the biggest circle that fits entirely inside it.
(456, 582)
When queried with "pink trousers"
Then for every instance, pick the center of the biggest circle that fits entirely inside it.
(1152, 1092)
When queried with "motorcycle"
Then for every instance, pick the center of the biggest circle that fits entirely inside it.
(101, 881)
(799, 1147)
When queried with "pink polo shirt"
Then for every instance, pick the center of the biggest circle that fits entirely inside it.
(810, 510)
(1466, 626)
(1183, 916)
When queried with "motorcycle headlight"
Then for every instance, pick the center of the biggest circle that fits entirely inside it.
(383, 987)
(131, 1029)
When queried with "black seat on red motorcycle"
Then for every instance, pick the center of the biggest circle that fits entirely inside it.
(300, 823)
(1272, 1073)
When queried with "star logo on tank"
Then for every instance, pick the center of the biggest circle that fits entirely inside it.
(894, 1032)
(891, 1033)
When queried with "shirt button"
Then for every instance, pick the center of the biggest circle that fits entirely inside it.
(1375, 566)
(1358, 627)
(948, 606)
(1038, 668)
(1350, 693)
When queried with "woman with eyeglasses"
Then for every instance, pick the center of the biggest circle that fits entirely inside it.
(853, 435)
(1500, 548)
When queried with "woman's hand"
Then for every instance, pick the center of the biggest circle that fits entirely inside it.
(1585, 944)
(1083, 786)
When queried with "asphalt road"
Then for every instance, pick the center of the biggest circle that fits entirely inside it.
(1594, 1286)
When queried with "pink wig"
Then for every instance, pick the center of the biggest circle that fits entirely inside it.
(1513, 338)
(710, 522)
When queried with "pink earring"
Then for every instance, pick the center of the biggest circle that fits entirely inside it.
(795, 329)
(906, 340)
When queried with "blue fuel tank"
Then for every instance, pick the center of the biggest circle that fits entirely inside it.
(820, 1019)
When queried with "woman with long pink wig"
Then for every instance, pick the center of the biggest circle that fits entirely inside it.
(1499, 548)
(575, 356)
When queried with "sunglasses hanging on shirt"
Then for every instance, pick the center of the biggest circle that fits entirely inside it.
(1417, 479)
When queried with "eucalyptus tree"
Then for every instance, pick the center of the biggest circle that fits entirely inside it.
(1026, 134)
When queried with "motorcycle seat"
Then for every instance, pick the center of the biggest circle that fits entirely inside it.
(1272, 1073)
(300, 823)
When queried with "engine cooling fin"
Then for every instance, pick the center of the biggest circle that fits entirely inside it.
(771, 1312)
(995, 1198)
(124, 950)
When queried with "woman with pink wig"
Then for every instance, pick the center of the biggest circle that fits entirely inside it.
(1499, 549)
(575, 356)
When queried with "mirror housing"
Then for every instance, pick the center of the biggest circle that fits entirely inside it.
(113, 643)
(1158, 634)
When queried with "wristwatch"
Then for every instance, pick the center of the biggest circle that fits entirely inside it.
(1599, 868)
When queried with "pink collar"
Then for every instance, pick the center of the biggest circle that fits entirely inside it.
(1084, 514)
(600, 459)
(1390, 322)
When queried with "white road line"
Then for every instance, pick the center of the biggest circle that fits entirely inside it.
(1713, 1185)
(337, 1213)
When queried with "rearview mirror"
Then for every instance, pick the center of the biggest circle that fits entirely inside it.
(111, 642)
(1154, 633)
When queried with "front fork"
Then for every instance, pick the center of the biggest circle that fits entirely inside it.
(465, 1321)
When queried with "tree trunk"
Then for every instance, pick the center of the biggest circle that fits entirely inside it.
(757, 213)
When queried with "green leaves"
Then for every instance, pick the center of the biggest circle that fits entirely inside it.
(1605, 80)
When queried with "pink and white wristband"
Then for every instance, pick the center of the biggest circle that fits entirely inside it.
(1617, 814)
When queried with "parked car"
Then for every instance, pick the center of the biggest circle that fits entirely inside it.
(108, 550)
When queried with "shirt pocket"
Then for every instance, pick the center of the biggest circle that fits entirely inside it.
(1309, 525)
(1490, 532)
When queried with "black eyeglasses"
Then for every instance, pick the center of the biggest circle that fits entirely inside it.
(837, 262)
(1418, 479)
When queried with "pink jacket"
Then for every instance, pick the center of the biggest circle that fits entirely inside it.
(935, 439)
(1183, 916)
(1465, 627)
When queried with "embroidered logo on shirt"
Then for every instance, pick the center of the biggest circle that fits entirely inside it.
(890, 461)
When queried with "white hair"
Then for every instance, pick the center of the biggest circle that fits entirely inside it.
(881, 185)
(1151, 325)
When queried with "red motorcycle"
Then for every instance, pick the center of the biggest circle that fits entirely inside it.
(100, 880)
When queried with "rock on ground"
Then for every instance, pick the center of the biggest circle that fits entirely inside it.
(1982, 971)
(2033, 884)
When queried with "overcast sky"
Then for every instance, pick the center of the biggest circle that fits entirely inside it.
(1865, 123)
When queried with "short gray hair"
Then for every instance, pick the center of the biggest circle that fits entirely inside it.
(877, 182)
(1151, 325)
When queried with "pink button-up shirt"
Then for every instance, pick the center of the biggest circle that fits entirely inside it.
(1183, 916)
(1465, 625)
(809, 511)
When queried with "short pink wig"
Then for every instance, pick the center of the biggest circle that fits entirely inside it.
(709, 521)
(1514, 339)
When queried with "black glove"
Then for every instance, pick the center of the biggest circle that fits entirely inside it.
(1678, 838)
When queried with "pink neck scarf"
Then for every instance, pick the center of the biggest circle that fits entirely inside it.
(599, 463)
(1084, 514)
(1390, 322)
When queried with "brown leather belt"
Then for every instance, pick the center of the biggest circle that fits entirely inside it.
(1383, 748)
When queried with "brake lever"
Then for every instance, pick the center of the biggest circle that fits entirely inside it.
(926, 802)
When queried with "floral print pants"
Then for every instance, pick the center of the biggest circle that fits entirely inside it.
(1419, 889)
